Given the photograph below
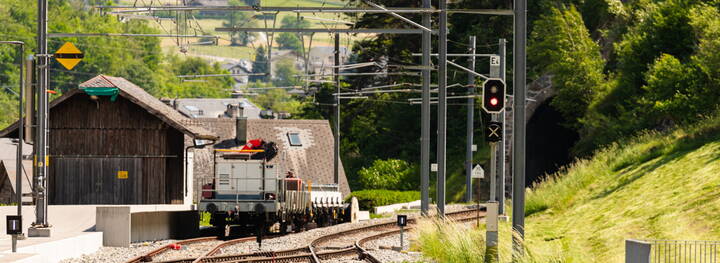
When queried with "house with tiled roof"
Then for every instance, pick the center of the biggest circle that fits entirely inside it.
(304, 146)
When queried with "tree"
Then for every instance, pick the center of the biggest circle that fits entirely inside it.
(294, 22)
(561, 45)
(260, 64)
(390, 174)
(285, 72)
(239, 19)
(290, 41)
(275, 99)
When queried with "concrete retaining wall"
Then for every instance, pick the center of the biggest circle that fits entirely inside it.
(395, 207)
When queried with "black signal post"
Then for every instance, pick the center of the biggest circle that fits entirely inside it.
(493, 95)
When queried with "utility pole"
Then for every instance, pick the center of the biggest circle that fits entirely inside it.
(470, 124)
(519, 78)
(501, 149)
(337, 109)
(442, 108)
(40, 226)
(425, 116)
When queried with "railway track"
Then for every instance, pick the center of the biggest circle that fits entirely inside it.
(343, 244)
(148, 257)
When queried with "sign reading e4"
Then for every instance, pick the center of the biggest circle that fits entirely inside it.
(122, 174)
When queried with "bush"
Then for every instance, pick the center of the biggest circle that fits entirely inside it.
(390, 174)
(372, 198)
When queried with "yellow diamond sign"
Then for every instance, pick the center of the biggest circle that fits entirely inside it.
(68, 55)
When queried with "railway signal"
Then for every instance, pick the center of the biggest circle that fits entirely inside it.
(493, 95)
(402, 222)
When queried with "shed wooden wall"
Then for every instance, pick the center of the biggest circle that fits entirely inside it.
(90, 141)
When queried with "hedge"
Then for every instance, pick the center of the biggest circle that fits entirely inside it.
(372, 198)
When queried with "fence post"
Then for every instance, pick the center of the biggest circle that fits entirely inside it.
(637, 251)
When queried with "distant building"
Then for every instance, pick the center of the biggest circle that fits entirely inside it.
(110, 142)
(242, 66)
(215, 108)
(209, 3)
(323, 59)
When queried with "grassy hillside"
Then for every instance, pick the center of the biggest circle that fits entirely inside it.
(655, 186)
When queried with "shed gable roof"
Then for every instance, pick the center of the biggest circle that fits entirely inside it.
(137, 95)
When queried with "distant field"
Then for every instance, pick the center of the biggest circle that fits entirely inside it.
(208, 26)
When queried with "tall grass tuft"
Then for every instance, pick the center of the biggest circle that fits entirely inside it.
(454, 242)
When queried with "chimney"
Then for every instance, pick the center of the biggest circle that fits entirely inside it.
(234, 111)
(241, 130)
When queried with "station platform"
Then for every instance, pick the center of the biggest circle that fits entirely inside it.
(74, 230)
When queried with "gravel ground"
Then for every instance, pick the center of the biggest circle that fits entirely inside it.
(388, 255)
(292, 241)
(344, 260)
(119, 254)
(192, 250)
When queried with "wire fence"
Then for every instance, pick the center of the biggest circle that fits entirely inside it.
(676, 251)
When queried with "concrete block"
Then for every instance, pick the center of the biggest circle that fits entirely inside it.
(363, 215)
(394, 207)
(39, 232)
(121, 226)
(114, 222)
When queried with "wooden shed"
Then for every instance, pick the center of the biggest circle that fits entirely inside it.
(113, 143)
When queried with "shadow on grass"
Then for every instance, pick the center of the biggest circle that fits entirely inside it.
(622, 182)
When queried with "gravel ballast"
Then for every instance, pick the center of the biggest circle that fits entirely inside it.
(291, 241)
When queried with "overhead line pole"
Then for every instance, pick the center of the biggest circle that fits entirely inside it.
(501, 149)
(42, 135)
(425, 115)
(519, 78)
(470, 125)
(442, 108)
(337, 110)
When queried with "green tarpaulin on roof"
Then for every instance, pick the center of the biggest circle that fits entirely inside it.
(102, 91)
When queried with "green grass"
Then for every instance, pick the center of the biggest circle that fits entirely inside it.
(653, 186)
(441, 241)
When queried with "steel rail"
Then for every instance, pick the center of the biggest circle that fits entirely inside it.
(307, 254)
(147, 257)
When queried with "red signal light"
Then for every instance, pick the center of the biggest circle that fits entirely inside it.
(494, 101)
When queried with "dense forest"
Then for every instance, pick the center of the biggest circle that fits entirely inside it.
(138, 59)
(618, 68)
